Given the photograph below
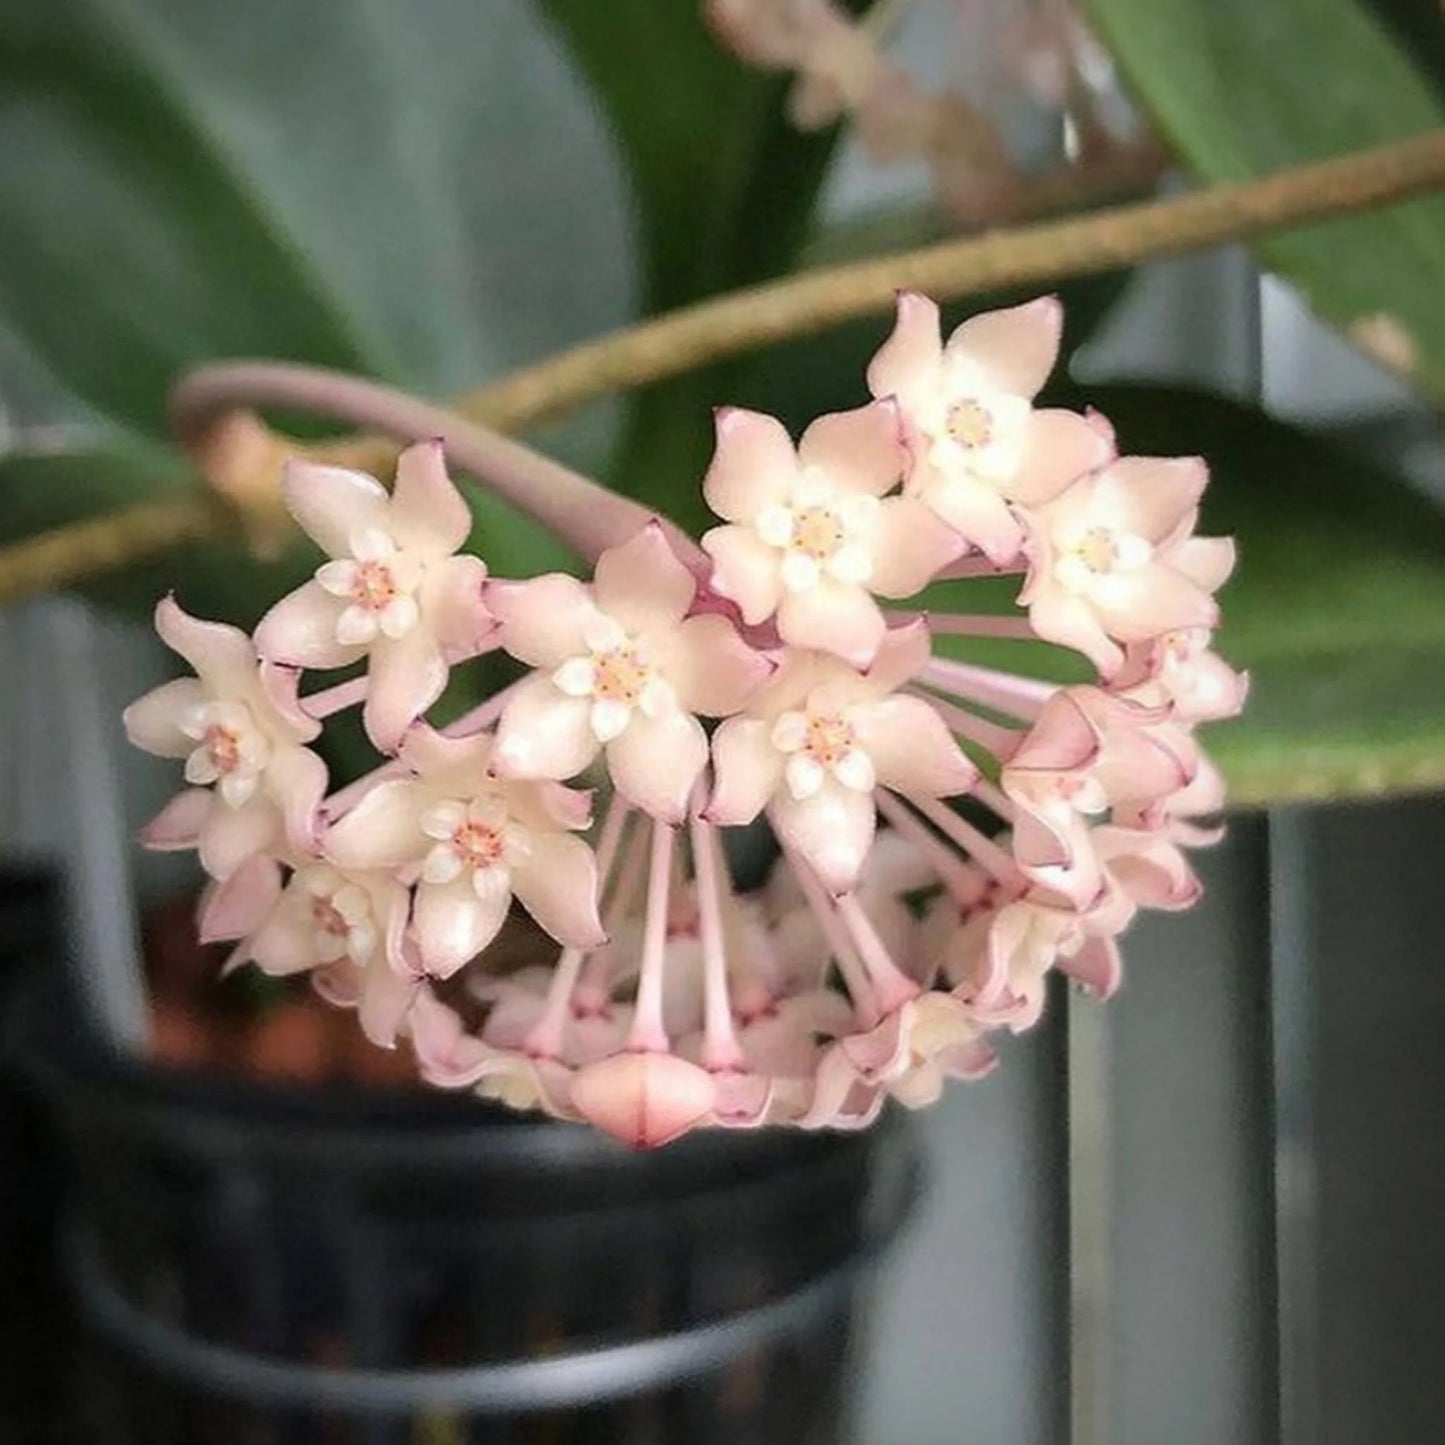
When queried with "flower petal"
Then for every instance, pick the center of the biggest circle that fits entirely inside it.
(860, 451)
(656, 762)
(1153, 495)
(911, 543)
(833, 617)
(300, 630)
(220, 655)
(153, 722)
(912, 750)
(909, 360)
(641, 584)
(241, 903)
(229, 836)
(453, 604)
(386, 1001)
(1059, 447)
(406, 675)
(753, 465)
(428, 514)
(332, 504)
(557, 885)
(453, 922)
(1069, 621)
(383, 830)
(178, 825)
(644, 1099)
(544, 733)
(1205, 561)
(901, 655)
(833, 830)
(747, 770)
(1016, 346)
(713, 671)
(296, 779)
(745, 569)
(977, 513)
(543, 620)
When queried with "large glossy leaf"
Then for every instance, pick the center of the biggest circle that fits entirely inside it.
(1337, 607)
(383, 186)
(1245, 87)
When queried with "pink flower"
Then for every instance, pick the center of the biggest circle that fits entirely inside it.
(976, 441)
(1179, 670)
(473, 840)
(819, 738)
(1089, 753)
(1112, 560)
(811, 536)
(1000, 957)
(623, 669)
(394, 592)
(237, 725)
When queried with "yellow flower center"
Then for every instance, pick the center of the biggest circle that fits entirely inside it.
(817, 532)
(619, 676)
(970, 424)
(1098, 550)
(829, 739)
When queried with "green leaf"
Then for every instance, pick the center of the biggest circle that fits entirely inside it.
(1242, 88)
(362, 186)
(724, 189)
(1337, 607)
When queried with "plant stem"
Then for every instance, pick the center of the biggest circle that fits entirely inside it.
(742, 321)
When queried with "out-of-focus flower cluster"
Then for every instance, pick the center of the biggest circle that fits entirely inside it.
(842, 71)
(948, 834)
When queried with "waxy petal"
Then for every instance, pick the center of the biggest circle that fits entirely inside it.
(153, 722)
(383, 830)
(833, 830)
(334, 504)
(296, 779)
(1058, 617)
(642, 585)
(557, 884)
(229, 836)
(1016, 347)
(656, 762)
(753, 465)
(453, 605)
(860, 451)
(300, 630)
(406, 675)
(178, 825)
(453, 922)
(428, 514)
(909, 360)
(747, 769)
(1153, 495)
(712, 670)
(220, 655)
(241, 903)
(1059, 447)
(1205, 561)
(911, 544)
(543, 620)
(745, 569)
(543, 733)
(833, 617)
(644, 1099)
(912, 750)
(978, 514)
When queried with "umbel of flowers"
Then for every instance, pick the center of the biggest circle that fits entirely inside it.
(947, 834)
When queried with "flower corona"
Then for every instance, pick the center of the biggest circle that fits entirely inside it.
(947, 835)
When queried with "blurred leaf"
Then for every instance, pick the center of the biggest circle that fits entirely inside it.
(1337, 607)
(725, 189)
(372, 186)
(1242, 88)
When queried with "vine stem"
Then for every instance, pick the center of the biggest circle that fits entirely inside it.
(741, 321)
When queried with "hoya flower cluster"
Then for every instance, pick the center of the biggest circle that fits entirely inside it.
(947, 834)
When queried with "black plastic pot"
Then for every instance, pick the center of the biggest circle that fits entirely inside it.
(261, 1264)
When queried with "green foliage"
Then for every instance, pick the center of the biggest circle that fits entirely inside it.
(1242, 88)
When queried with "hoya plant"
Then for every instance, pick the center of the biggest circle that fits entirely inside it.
(775, 773)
